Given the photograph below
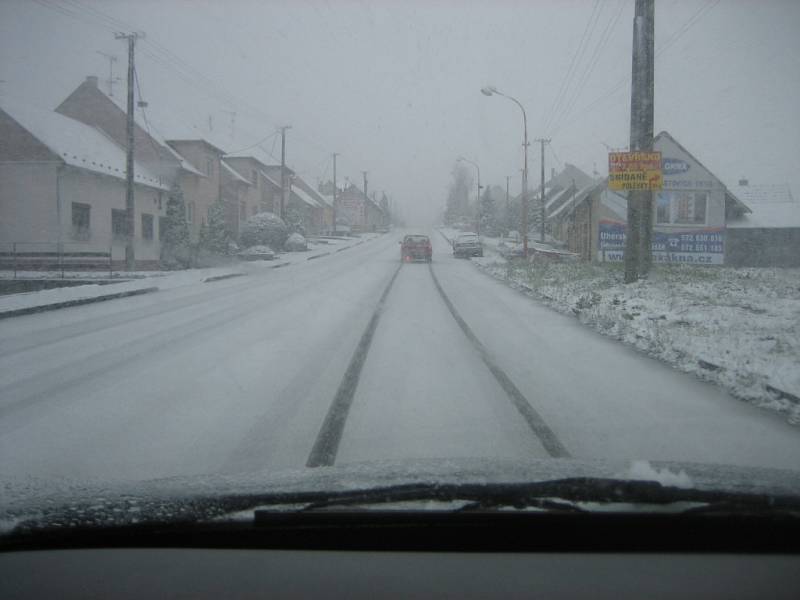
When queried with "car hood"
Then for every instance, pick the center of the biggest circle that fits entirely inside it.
(111, 502)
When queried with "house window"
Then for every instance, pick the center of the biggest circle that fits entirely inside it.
(119, 224)
(681, 208)
(81, 216)
(147, 226)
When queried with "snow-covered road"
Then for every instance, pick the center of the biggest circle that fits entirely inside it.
(240, 374)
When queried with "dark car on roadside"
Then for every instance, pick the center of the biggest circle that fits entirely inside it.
(467, 244)
(416, 247)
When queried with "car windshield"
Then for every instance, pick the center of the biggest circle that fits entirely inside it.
(282, 246)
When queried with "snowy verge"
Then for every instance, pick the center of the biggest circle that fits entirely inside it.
(739, 328)
(51, 299)
(82, 299)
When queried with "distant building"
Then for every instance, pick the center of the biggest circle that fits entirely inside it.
(769, 235)
(357, 211)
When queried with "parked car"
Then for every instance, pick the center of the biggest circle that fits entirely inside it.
(416, 247)
(467, 244)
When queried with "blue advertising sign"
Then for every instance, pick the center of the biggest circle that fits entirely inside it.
(690, 246)
(674, 166)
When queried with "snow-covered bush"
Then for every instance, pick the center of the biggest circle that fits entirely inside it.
(264, 229)
(296, 243)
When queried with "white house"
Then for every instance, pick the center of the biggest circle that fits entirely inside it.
(62, 185)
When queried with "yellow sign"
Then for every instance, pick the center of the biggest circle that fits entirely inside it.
(635, 171)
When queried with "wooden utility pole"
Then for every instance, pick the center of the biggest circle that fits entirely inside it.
(130, 213)
(335, 154)
(283, 168)
(640, 212)
(542, 141)
(508, 204)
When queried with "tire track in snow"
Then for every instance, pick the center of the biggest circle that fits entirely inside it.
(326, 446)
(534, 420)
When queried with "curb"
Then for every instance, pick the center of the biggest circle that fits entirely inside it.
(221, 277)
(78, 302)
(318, 256)
(279, 265)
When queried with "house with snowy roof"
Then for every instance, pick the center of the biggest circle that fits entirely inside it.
(357, 210)
(63, 188)
(90, 105)
(691, 214)
(768, 235)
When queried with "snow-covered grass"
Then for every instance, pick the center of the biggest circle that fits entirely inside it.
(737, 327)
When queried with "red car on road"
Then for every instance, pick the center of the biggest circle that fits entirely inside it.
(416, 247)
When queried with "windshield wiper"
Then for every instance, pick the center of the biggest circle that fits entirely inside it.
(557, 495)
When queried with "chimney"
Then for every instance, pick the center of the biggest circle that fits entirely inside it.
(92, 80)
(743, 182)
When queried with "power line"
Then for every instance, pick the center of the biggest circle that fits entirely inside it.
(553, 152)
(671, 40)
(576, 57)
(590, 66)
(258, 143)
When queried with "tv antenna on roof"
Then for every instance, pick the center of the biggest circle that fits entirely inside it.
(111, 79)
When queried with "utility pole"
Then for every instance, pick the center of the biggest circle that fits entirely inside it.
(542, 141)
(640, 216)
(111, 79)
(283, 168)
(335, 154)
(508, 204)
(130, 218)
(366, 198)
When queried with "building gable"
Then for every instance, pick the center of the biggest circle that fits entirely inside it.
(89, 105)
(680, 168)
(17, 144)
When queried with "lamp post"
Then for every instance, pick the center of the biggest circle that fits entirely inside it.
(474, 164)
(491, 91)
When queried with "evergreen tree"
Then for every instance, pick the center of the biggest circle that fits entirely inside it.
(214, 237)
(458, 195)
(488, 213)
(175, 241)
(294, 220)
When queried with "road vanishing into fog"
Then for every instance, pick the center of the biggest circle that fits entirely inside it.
(349, 358)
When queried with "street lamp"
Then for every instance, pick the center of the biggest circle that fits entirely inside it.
(474, 164)
(491, 91)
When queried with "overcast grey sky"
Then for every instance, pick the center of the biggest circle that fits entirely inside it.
(395, 86)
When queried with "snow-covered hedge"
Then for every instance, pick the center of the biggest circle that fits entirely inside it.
(264, 229)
